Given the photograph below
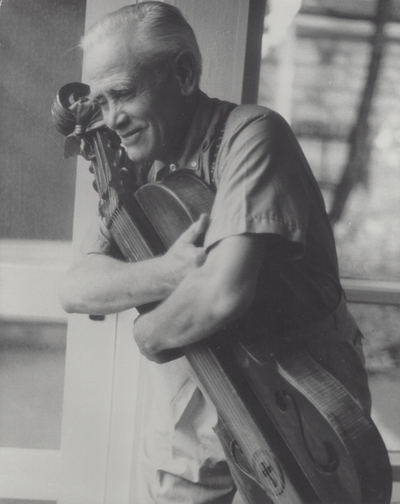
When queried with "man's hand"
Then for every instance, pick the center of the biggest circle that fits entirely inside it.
(100, 284)
(185, 256)
(206, 300)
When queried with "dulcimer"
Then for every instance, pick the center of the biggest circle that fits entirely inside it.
(291, 432)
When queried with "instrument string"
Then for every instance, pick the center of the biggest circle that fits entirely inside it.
(34, 119)
(127, 235)
(126, 229)
(135, 248)
(120, 219)
(249, 444)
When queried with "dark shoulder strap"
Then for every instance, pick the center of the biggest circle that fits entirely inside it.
(216, 143)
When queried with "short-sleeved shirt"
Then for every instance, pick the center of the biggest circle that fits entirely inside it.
(264, 186)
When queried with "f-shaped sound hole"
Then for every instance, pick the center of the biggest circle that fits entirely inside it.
(284, 400)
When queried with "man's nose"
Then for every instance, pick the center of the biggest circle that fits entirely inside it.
(115, 118)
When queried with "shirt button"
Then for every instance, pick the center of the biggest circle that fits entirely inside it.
(193, 164)
(172, 167)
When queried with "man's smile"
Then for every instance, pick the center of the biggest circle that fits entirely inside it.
(131, 136)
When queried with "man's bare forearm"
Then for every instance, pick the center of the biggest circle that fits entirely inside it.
(207, 299)
(99, 284)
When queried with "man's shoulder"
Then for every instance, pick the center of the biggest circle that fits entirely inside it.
(244, 115)
(239, 114)
(252, 110)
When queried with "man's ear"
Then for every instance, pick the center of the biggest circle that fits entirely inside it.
(185, 73)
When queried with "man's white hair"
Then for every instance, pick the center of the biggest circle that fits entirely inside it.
(158, 32)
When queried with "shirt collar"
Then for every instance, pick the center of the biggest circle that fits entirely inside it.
(198, 138)
(197, 135)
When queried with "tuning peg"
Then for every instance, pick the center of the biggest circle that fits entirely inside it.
(71, 92)
(124, 175)
(118, 157)
(113, 143)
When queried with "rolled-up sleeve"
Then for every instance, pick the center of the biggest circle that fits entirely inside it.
(260, 182)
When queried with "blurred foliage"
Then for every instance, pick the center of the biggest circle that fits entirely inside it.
(324, 77)
(381, 328)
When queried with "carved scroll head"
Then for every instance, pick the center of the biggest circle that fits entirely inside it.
(74, 114)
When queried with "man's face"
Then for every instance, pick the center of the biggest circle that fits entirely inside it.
(145, 111)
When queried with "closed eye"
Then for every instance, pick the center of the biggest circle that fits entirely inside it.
(124, 94)
(114, 95)
(102, 102)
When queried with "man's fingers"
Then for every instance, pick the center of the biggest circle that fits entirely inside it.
(195, 230)
(166, 355)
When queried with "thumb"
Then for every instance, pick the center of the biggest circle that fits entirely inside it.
(195, 230)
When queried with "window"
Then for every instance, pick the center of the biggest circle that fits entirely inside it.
(38, 54)
(317, 74)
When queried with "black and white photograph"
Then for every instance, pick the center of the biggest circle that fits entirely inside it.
(199, 252)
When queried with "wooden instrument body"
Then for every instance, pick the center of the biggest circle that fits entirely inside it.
(299, 434)
(291, 432)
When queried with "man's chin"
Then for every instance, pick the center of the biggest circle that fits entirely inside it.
(137, 156)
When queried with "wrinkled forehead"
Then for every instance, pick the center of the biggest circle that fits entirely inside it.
(109, 56)
(118, 61)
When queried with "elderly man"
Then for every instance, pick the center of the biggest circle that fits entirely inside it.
(268, 259)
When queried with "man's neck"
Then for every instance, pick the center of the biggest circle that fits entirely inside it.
(176, 151)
